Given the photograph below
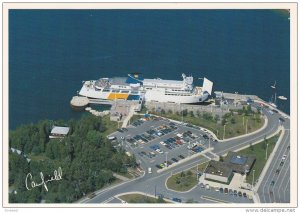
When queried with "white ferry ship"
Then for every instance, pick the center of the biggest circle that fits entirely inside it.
(135, 87)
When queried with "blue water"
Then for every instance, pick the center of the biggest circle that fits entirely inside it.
(52, 51)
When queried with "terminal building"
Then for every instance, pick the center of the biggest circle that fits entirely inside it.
(239, 163)
(233, 163)
(216, 171)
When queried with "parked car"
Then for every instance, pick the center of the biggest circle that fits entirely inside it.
(244, 194)
(272, 182)
(202, 185)
(226, 191)
(158, 166)
(230, 192)
(177, 200)
(181, 156)
(174, 159)
(235, 192)
(240, 194)
(221, 190)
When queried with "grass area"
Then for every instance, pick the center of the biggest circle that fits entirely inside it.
(135, 117)
(125, 175)
(139, 198)
(39, 157)
(235, 123)
(185, 180)
(111, 126)
(259, 151)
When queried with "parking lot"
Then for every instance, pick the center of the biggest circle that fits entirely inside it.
(160, 142)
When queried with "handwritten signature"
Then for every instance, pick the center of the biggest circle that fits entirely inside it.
(57, 176)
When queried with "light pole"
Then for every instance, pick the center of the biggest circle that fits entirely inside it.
(267, 151)
(253, 179)
(246, 126)
(224, 132)
(197, 173)
(166, 159)
(208, 144)
(181, 114)
(189, 148)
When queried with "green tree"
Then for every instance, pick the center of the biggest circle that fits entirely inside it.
(184, 112)
(192, 114)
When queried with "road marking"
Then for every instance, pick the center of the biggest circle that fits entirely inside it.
(285, 200)
(276, 158)
(108, 200)
(271, 173)
(283, 178)
(213, 199)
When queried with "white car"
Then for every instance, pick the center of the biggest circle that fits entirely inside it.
(162, 143)
(283, 157)
(159, 151)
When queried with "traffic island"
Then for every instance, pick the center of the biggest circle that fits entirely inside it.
(185, 180)
(141, 198)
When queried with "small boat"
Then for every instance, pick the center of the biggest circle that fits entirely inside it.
(282, 98)
(274, 86)
(273, 105)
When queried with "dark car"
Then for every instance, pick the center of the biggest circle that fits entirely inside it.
(124, 129)
(281, 163)
(221, 190)
(240, 194)
(226, 191)
(244, 195)
(205, 136)
(182, 157)
(158, 166)
(177, 200)
(120, 130)
(272, 183)
(277, 171)
(235, 192)
(174, 159)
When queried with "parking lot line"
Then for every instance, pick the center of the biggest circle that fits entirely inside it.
(213, 199)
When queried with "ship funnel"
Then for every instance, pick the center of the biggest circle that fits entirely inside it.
(207, 85)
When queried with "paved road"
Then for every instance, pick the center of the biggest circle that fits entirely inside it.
(279, 192)
(155, 183)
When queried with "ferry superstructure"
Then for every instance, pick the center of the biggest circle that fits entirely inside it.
(135, 87)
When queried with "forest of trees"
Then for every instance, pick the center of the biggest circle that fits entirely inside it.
(87, 160)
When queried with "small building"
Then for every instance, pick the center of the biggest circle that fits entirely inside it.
(59, 132)
(216, 171)
(239, 163)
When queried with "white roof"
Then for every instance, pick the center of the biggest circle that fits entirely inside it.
(60, 130)
(160, 81)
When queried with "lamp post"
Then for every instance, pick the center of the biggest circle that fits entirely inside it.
(267, 151)
(208, 144)
(224, 132)
(253, 178)
(166, 159)
(246, 126)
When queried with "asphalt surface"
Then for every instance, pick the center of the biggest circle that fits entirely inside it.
(154, 183)
(275, 187)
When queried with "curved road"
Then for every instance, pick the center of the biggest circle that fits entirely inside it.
(155, 183)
